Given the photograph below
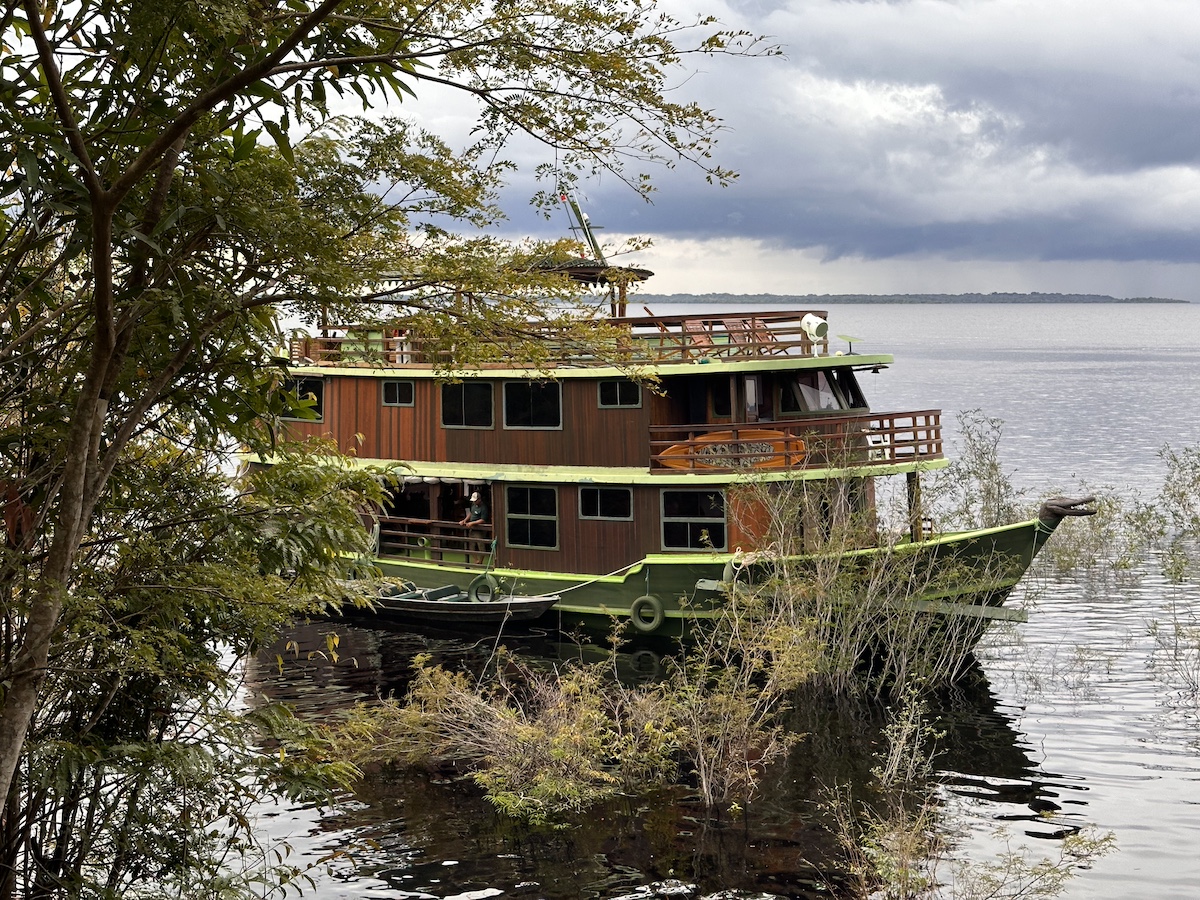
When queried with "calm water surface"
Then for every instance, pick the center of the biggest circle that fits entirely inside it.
(1077, 718)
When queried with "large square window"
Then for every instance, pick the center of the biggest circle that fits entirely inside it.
(693, 520)
(531, 517)
(529, 404)
(467, 404)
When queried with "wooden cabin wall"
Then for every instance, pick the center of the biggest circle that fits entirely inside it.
(356, 417)
(588, 546)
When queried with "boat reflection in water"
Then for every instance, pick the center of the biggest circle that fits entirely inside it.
(434, 834)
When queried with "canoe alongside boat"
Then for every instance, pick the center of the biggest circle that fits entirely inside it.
(449, 606)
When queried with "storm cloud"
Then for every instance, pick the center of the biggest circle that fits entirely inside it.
(992, 130)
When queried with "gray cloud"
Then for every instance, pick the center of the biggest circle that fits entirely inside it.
(991, 129)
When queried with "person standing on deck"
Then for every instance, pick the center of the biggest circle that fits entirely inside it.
(477, 512)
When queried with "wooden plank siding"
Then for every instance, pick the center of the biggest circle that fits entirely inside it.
(588, 546)
(590, 436)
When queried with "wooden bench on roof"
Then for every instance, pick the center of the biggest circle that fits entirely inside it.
(754, 334)
(698, 335)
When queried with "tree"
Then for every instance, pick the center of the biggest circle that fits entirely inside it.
(149, 238)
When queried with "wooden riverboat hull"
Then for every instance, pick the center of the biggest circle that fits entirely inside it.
(958, 574)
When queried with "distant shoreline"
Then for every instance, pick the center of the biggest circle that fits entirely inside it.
(809, 299)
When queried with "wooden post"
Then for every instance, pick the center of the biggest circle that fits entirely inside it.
(914, 505)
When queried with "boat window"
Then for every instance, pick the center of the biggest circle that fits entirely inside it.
(693, 520)
(721, 399)
(529, 404)
(620, 392)
(847, 385)
(398, 393)
(811, 391)
(531, 516)
(467, 404)
(310, 391)
(606, 503)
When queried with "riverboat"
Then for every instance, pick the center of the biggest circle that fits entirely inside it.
(642, 499)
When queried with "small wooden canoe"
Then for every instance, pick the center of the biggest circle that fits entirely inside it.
(746, 448)
(451, 605)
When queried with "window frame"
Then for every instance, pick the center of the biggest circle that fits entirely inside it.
(557, 385)
(383, 386)
(463, 385)
(704, 522)
(619, 382)
(600, 517)
(784, 398)
(295, 383)
(509, 516)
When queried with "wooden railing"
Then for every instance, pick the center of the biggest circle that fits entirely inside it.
(641, 339)
(732, 335)
(435, 539)
(870, 440)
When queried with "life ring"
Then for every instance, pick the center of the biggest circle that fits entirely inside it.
(483, 589)
(646, 613)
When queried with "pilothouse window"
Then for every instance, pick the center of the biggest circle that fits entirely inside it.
(820, 391)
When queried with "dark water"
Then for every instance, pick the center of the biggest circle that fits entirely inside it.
(1079, 718)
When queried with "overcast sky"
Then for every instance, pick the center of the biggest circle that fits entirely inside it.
(937, 146)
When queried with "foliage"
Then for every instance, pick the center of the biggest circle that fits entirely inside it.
(541, 744)
(859, 594)
(174, 178)
(898, 843)
(974, 491)
(140, 767)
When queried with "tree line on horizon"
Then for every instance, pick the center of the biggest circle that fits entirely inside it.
(995, 297)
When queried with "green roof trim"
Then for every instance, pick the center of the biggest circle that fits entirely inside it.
(603, 475)
(708, 366)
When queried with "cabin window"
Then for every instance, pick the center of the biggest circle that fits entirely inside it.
(467, 404)
(812, 391)
(720, 399)
(529, 404)
(310, 391)
(398, 393)
(693, 520)
(606, 503)
(531, 516)
(620, 393)
(847, 385)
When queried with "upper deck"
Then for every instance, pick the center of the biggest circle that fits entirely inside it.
(650, 340)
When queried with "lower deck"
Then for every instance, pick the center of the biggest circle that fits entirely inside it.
(589, 528)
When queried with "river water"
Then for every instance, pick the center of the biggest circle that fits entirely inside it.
(1080, 718)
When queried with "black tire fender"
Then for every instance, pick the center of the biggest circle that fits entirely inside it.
(483, 589)
(646, 613)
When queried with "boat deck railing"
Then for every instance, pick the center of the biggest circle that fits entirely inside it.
(877, 439)
(646, 340)
(435, 540)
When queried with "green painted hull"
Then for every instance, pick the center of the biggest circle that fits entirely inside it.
(662, 593)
